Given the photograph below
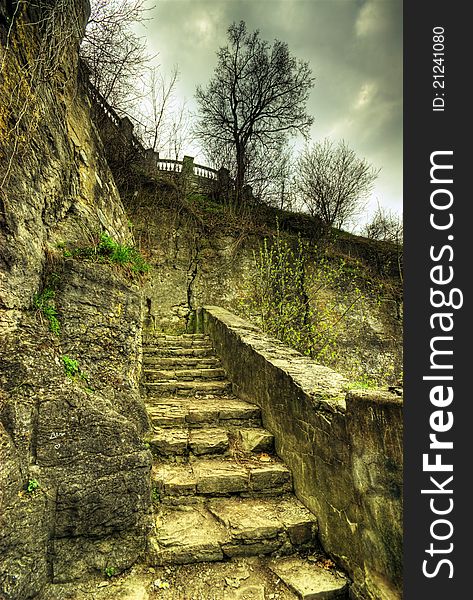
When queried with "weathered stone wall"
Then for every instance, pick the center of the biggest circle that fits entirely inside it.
(78, 437)
(190, 266)
(344, 448)
(55, 184)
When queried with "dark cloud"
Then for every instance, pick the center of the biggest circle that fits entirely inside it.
(354, 48)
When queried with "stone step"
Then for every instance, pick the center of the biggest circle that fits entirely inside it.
(310, 580)
(183, 374)
(182, 442)
(171, 442)
(231, 527)
(187, 388)
(177, 342)
(218, 493)
(181, 362)
(202, 412)
(163, 351)
(174, 337)
(184, 483)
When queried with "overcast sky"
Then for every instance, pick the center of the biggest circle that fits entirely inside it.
(354, 48)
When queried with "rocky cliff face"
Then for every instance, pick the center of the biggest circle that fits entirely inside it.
(55, 184)
(74, 474)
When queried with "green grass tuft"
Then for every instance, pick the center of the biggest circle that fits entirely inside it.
(121, 254)
(44, 302)
(109, 250)
(71, 366)
(110, 571)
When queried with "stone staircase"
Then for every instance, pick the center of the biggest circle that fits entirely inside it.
(219, 491)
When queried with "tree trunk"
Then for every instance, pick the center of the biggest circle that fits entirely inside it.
(240, 175)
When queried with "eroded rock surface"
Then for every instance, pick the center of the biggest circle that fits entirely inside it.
(78, 437)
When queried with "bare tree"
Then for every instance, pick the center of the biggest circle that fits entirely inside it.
(114, 54)
(333, 183)
(255, 100)
(159, 97)
(180, 131)
(162, 120)
(385, 225)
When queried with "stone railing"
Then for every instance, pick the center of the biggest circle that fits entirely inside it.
(177, 166)
(101, 103)
(206, 172)
(168, 165)
(344, 448)
(196, 175)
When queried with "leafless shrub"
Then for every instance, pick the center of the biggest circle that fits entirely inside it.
(113, 52)
(333, 183)
(385, 225)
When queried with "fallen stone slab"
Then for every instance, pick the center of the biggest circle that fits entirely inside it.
(309, 580)
(255, 440)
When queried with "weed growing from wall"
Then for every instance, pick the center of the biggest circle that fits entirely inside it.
(71, 366)
(121, 254)
(32, 486)
(45, 303)
(73, 370)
